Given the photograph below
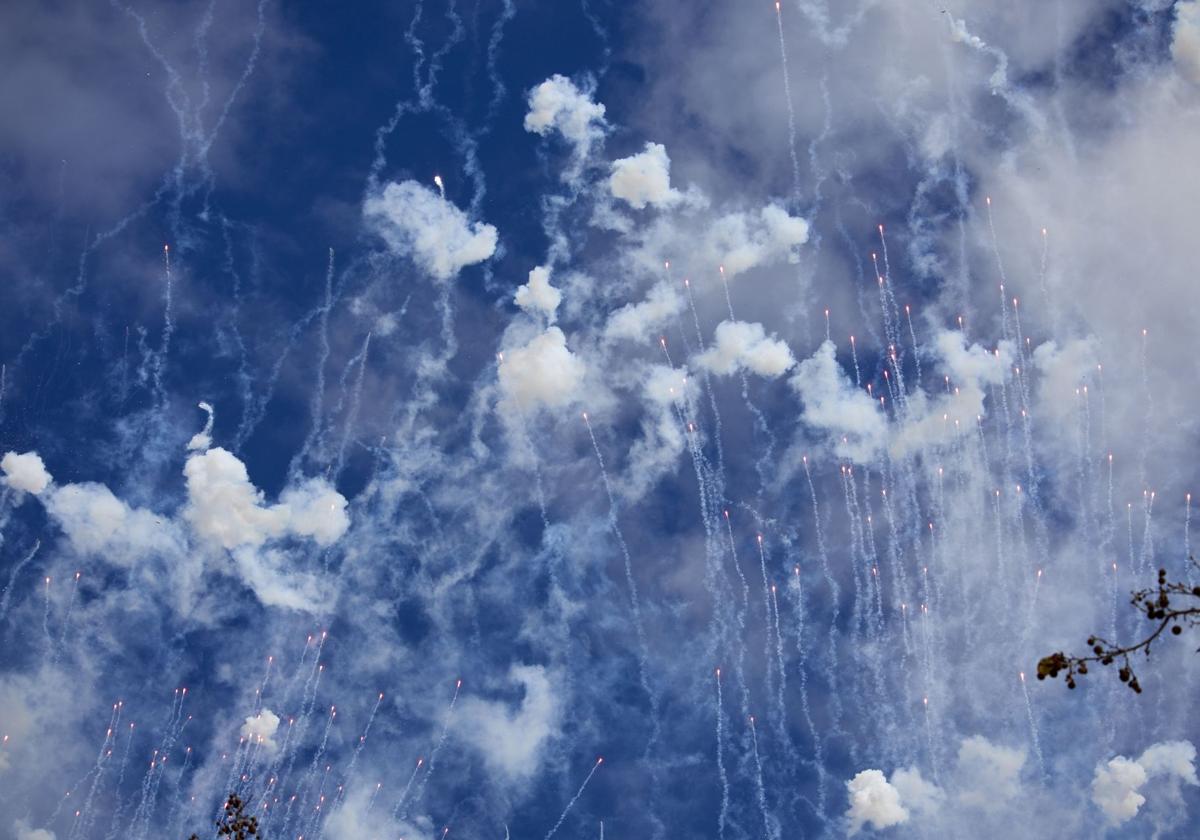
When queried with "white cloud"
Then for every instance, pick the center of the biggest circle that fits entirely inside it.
(511, 743)
(97, 522)
(741, 345)
(417, 222)
(225, 507)
(354, 818)
(833, 405)
(316, 510)
(662, 441)
(25, 472)
(1185, 41)
(741, 241)
(639, 321)
(23, 831)
(268, 574)
(918, 795)
(261, 728)
(558, 105)
(644, 178)
(538, 295)
(1116, 785)
(874, 801)
(543, 372)
(933, 421)
(1115, 789)
(989, 775)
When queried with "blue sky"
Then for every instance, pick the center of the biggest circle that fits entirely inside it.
(450, 395)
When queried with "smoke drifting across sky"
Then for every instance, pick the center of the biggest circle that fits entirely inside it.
(746, 395)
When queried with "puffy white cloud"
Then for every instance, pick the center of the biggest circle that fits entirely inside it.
(538, 295)
(25, 472)
(511, 742)
(644, 178)
(636, 321)
(96, 521)
(873, 800)
(1115, 789)
(1171, 758)
(985, 785)
(643, 319)
(316, 510)
(971, 369)
(558, 105)
(742, 345)
(543, 372)
(1185, 40)
(1116, 785)
(741, 241)
(833, 405)
(261, 728)
(24, 831)
(417, 222)
(225, 507)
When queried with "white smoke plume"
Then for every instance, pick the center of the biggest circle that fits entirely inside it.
(23, 831)
(740, 345)
(542, 373)
(558, 105)
(261, 729)
(742, 241)
(1063, 370)
(203, 438)
(225, 507)
(538, 295)
(511, 742)
(988, 775)
(25, 472)
(642, 321)
(354, 818)
(644, 179)
(873, 801)
(97, 522)
(940, 420)
(1117, 785)
(417, 222)
(833, 405)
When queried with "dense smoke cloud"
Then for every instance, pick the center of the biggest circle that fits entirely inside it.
(25, 472)
(745, 346)
(400, 494)
(417, 222)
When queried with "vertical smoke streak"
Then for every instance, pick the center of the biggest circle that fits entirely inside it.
(574, 799)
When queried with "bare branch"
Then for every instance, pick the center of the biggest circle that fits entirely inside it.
(1157, 605)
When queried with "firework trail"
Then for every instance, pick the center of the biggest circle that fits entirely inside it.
(574, 799)
(6, 593)
(723, 817)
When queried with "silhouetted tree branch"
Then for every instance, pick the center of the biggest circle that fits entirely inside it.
(1161, 605)
(235, 824)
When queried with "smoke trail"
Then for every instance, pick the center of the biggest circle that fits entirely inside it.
(574, 799)
(6, 593)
